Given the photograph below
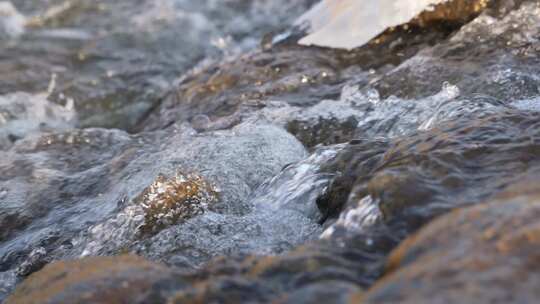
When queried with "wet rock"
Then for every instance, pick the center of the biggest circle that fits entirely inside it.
(169, 201)
(387, 185)
(492, 55)
(452, 11)
(217, 185)
(123, 279)
(69, 192)
(221, 89)
(291, 85)
(482, 254)
(328, 122)
(411, 180)
(282, 215)
(327, 292)
(35, 261)
(326, 132)
(299, 276)
(348, 24)
(389, 188)
(481, 246)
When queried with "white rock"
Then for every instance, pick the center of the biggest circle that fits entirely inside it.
(352, 23)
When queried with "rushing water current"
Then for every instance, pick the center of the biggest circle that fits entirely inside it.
(184, 131)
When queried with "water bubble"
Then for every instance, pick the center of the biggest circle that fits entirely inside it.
(366, 213)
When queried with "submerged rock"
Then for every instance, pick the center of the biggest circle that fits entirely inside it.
(304, 88)
(408, 181)
(283, 79)
(74, 193)
(411, 180)
(216, 186)
(169, 201)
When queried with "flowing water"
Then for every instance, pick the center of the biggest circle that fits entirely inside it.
(166, 130)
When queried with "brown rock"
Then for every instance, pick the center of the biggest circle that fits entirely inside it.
(456, 11)
(122, 279)
(169, 201)
(488, 253)
(298, 75)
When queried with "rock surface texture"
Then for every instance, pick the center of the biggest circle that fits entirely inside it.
(141, 163)
(500, 238)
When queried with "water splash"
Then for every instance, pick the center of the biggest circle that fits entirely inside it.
(23, 114)
(12, 23)
(298, 186)
(527, 104)
(283, 214)
(8, 279)
(113, 234)
(355, 219)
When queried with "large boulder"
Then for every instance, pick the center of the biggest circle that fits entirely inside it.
(483, 254)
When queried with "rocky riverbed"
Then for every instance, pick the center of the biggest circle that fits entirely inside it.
(193, 152)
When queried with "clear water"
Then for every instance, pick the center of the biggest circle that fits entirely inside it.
(68, 191)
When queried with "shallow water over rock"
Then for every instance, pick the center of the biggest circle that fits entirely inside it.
(116, 58)
(266, 173)
(59, 186)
